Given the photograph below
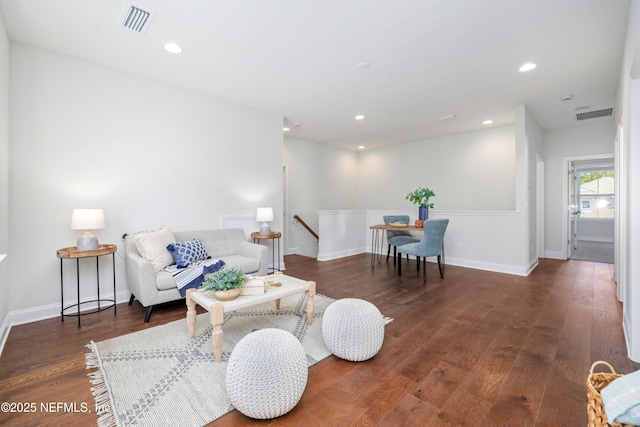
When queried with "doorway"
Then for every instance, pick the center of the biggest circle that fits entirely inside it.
(590, 201)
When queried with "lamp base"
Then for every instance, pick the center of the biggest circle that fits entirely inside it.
(265, 229)
(87, 243)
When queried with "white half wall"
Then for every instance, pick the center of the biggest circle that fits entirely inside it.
(341, 233)
(473, 239)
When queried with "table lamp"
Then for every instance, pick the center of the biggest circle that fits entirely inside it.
(87, 219)
(264, 215)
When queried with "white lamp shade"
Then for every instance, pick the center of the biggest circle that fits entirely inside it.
(264, 214)
(87, 219)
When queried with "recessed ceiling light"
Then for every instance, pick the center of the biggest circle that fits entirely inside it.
(172, 48)
(359, 117)
(527, 67)
(487, 122)
(450, 116)
(286, 129)
(363, 65)
(566, 98)
(360, 147)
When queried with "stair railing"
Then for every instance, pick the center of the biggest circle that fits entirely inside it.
(306, 226)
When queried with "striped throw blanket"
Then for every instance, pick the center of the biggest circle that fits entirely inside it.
(193, 275)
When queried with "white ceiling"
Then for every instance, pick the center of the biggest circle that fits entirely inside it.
(299, 58)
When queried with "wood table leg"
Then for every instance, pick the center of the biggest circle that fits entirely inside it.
(216, 313)
(191, 314)
(311, 293)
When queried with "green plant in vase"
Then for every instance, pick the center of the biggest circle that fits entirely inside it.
(421, 198)
(226, 283)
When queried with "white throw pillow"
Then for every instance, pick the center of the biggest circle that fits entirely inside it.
(152, 245)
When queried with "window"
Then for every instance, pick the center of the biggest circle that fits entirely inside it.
(597, 194)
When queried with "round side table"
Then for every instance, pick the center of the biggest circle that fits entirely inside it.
(74, 253)
(274, 235)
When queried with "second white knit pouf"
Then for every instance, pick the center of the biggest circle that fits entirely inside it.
(267, 373)
(353, 329)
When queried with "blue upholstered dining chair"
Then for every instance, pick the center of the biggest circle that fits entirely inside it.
(397, 238)
(430, 245)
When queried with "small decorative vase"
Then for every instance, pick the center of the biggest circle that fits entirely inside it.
(423, 212)
(419, 223)
(227, 295)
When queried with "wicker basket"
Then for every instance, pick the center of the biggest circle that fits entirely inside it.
(595, 408)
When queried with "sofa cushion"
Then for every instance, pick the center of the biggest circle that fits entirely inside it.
(152, 246)
(186, 253)
(218, 243)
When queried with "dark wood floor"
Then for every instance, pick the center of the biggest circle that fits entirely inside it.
(473, 349)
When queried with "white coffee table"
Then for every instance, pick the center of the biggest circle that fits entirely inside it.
(290, 286)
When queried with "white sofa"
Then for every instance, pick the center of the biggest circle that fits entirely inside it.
(147, 256)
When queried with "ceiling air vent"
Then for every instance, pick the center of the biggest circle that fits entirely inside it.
(136, 19)
(605, 112)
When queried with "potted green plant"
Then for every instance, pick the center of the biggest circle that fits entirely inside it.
(421, 198)
(226, 283)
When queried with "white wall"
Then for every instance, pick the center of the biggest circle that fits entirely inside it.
(628, 164)
(591, 138)
(595, 230)
(4, 182)
(631, 259)
(84, 135)
(531, 134)
(467, 171)
(628, 171)
(319, 177)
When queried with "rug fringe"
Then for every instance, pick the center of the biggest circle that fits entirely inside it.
(100, 390)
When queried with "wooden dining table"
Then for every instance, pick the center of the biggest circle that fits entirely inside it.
(377, 239)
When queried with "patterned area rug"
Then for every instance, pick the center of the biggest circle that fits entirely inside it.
(160, 377)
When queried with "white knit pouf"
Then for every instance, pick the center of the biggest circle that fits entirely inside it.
(267, 373)
(353, 329)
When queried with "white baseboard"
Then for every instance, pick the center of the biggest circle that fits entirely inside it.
(626, 327)
(554, 255)
(271, 268)
(532, 265)
(34, 314)
(4, 331)
(340, 254)
(488, 266)
(49, 311)
(459, 262)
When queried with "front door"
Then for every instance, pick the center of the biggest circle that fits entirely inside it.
(573, 210)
